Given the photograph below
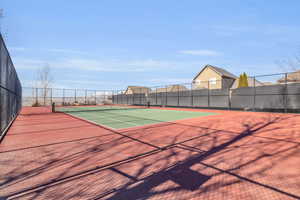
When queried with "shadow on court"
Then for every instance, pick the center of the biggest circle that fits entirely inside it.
(89, 162)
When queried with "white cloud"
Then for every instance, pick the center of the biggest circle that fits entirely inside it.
(202, 52)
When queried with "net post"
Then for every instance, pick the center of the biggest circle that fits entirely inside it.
(53, 107)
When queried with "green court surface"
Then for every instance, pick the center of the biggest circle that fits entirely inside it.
(123, 117)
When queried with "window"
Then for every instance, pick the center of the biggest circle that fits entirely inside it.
(213, 81)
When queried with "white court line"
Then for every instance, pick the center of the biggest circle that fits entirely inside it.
(112, 120)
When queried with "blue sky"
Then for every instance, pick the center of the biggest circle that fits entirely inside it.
(106, 44)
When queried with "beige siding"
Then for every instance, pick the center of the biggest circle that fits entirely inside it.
(129, 91)
(207, 75)
(137, 90)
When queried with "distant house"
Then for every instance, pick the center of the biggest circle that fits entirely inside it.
(213, 78)
(137, 90)
(291, 77)
(250, 83)
(267, 83)
(171, 88)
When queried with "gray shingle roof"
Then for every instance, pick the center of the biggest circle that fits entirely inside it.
(219, 70)
(223, 72)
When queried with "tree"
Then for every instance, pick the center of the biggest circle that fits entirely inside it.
(290, 64)
(44, 81)
(243, 80)
(240, 81)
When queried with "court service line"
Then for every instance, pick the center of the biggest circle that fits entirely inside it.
(112, 119)
(113, 130)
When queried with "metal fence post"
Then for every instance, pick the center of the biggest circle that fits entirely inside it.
(75, 95)
(285, 93)
(51, 96)
(36, 95)
(254, 98)
(192, 98)
(208, 92)
(117, 96)
(95, 97)
(178, 95)
(64, 96)
(140, 95)
(44, 92)
(156, 96)
(85, 97)
(166, 103)
(229, 98)
(32, 96)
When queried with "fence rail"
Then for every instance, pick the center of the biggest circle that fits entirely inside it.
(10, 90)
(46, 96)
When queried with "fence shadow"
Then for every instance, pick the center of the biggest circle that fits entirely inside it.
(140, 184)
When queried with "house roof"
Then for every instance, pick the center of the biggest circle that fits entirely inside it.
(137, 89)
(291, 77)
(171, 88)
(218, 70)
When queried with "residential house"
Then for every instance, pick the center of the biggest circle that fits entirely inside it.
(291, 78)
(137, 90)
(170, 88)
(213, 78)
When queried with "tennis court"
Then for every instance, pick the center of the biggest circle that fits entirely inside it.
(184, 154)
(118, 117)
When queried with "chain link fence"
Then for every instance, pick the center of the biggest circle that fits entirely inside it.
(274, 92)
(65, 97)
(10, 90)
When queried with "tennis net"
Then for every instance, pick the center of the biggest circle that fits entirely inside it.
(96, 108)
